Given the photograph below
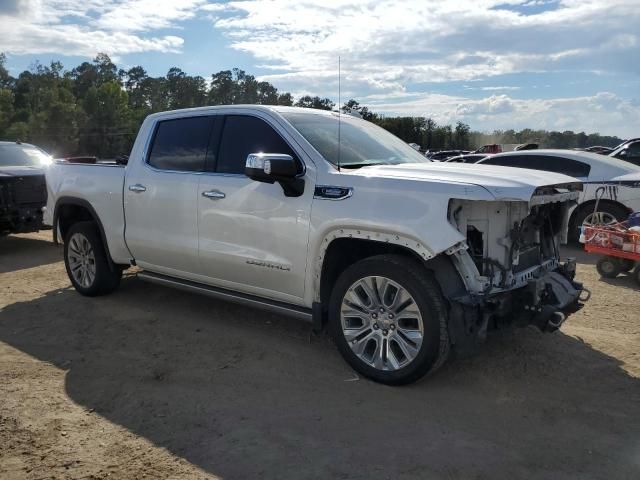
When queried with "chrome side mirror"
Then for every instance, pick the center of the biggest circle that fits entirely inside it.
(271, 165)
(276, 167)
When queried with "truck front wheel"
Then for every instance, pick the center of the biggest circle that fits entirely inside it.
(85, 259)
(389, 319)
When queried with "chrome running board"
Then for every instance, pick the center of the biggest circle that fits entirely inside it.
(273, 306)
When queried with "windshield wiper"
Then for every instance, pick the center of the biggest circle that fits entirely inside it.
(366, 164)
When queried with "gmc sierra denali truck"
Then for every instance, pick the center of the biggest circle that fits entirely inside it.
(23, 193)
(328, 218)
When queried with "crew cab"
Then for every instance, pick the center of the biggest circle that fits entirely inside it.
(328, 218)
(23, 193)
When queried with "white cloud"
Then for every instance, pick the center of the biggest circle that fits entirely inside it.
(144, 15)
(384, 44)
(395, 42)
(392, 51)
(390, 46)
(604, 112)
(499, 88)
(86, 27)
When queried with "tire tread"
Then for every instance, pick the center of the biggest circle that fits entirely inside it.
(426, 284)
(107, 275)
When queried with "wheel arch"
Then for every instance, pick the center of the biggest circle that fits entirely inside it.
(590, 204)
(342, 250)
(70, 210)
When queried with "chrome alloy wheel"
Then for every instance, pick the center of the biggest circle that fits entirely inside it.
(600, 218)
(82, 261)
(382, 323)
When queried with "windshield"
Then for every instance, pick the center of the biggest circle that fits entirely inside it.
(16, 155)
(361, 143)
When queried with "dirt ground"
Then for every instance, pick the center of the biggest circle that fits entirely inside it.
(155, 383)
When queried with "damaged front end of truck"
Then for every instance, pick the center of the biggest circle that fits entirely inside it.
(510, 264)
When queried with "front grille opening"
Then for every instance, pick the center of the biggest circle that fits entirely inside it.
(26, 190)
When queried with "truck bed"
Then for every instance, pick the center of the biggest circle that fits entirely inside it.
(99, 185)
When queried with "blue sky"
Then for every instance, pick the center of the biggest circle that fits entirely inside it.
(554, 64)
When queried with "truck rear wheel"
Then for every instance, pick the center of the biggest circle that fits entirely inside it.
(389, 319)
(90, 271)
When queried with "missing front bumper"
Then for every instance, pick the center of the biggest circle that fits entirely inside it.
(545, 302)
(551, 297)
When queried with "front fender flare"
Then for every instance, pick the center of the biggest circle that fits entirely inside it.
(416, 246)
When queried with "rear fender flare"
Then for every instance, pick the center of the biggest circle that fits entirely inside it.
(79, 202)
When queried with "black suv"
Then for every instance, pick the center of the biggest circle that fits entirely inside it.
(23, 192)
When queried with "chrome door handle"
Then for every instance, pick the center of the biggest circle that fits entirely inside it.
(137, 188)
(213, 194)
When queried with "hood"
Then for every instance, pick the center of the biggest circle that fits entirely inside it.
(504, 183)
(20, 171)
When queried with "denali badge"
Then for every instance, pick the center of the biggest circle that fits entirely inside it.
(274, 266)
(331, 192)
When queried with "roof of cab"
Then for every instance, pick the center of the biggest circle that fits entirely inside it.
(213, 108)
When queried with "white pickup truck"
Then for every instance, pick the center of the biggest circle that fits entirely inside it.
(328, 218)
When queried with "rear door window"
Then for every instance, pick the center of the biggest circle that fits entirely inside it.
(242, 135)
(547, 163)
(181, 144)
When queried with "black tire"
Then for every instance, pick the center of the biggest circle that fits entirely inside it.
(424, 289)
(609, 267)
(107, 275)
(619, 212)
(626, 265)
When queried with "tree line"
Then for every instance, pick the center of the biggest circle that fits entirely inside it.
(96, 109)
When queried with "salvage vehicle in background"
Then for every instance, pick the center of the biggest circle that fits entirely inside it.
(23, 193)
(505, 147)
(443, 155)
(401, 258)
(597, 149)
(468, 158)
(611, 180)
(628, 151)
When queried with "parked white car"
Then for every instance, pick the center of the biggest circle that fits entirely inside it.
(628, 151)
(616, 182)
(403, 259)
